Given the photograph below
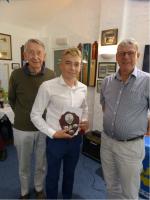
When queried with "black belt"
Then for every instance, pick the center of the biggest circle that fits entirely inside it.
(131, 139)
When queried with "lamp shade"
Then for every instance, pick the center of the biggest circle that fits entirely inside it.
(107, 56)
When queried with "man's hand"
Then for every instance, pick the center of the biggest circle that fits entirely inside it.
(148, 128)
(62, 134)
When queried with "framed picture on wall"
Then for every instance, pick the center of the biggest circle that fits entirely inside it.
(99, 82)
(15, 66)
(102, 69)
(109, 37)
(5, 47)
(106, 68)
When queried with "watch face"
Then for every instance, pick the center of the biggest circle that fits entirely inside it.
(69, 121)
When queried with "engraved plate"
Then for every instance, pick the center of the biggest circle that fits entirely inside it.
(69, 121)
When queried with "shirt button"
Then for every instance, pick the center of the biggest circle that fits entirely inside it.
(112, 124)
(114, 112)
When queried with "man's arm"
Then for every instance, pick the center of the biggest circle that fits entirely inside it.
(12, 92)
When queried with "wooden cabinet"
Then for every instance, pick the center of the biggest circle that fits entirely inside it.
(91, 145)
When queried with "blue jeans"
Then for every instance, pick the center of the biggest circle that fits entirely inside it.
(58, 150)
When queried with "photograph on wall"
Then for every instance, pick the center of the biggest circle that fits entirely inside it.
(106, 68)
(5, 47)
(15, 66)
(102, 70)
(109, 37)
(111, 68)
(99, 82)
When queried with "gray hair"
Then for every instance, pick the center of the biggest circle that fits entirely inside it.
(36, 41)
(129, 41)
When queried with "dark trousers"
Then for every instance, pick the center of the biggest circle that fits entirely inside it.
(66, 151)
(2, 143)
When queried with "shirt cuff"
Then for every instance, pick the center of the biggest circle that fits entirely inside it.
(51, 132)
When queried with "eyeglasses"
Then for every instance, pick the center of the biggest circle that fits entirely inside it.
(129, 53)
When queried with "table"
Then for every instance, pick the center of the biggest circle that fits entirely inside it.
(145, 175)
(8, 112)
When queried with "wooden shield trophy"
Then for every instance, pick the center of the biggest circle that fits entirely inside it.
(69, 121)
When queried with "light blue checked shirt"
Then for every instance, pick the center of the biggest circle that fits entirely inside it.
(126, 105)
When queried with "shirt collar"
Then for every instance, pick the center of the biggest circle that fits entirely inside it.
(27, 71)
(134, 73)
(62, 81)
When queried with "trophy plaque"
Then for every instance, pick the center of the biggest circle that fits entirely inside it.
(70, 122)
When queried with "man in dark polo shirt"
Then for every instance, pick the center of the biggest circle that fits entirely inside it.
(125, 102)
(23, 87)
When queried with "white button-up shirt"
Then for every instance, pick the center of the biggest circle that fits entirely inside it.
(54, 95)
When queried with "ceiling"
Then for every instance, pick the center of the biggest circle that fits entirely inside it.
(32, 14)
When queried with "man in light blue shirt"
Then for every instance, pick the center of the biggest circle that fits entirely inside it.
(125, 102)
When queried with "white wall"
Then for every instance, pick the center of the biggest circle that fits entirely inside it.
(79, 22)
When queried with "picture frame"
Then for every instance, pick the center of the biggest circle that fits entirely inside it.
(106, 69)
(99, 82)
(5, 47)
(109, 37)
(57, 60)
(15, 66)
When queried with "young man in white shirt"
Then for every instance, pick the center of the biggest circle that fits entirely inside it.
(64, 93)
